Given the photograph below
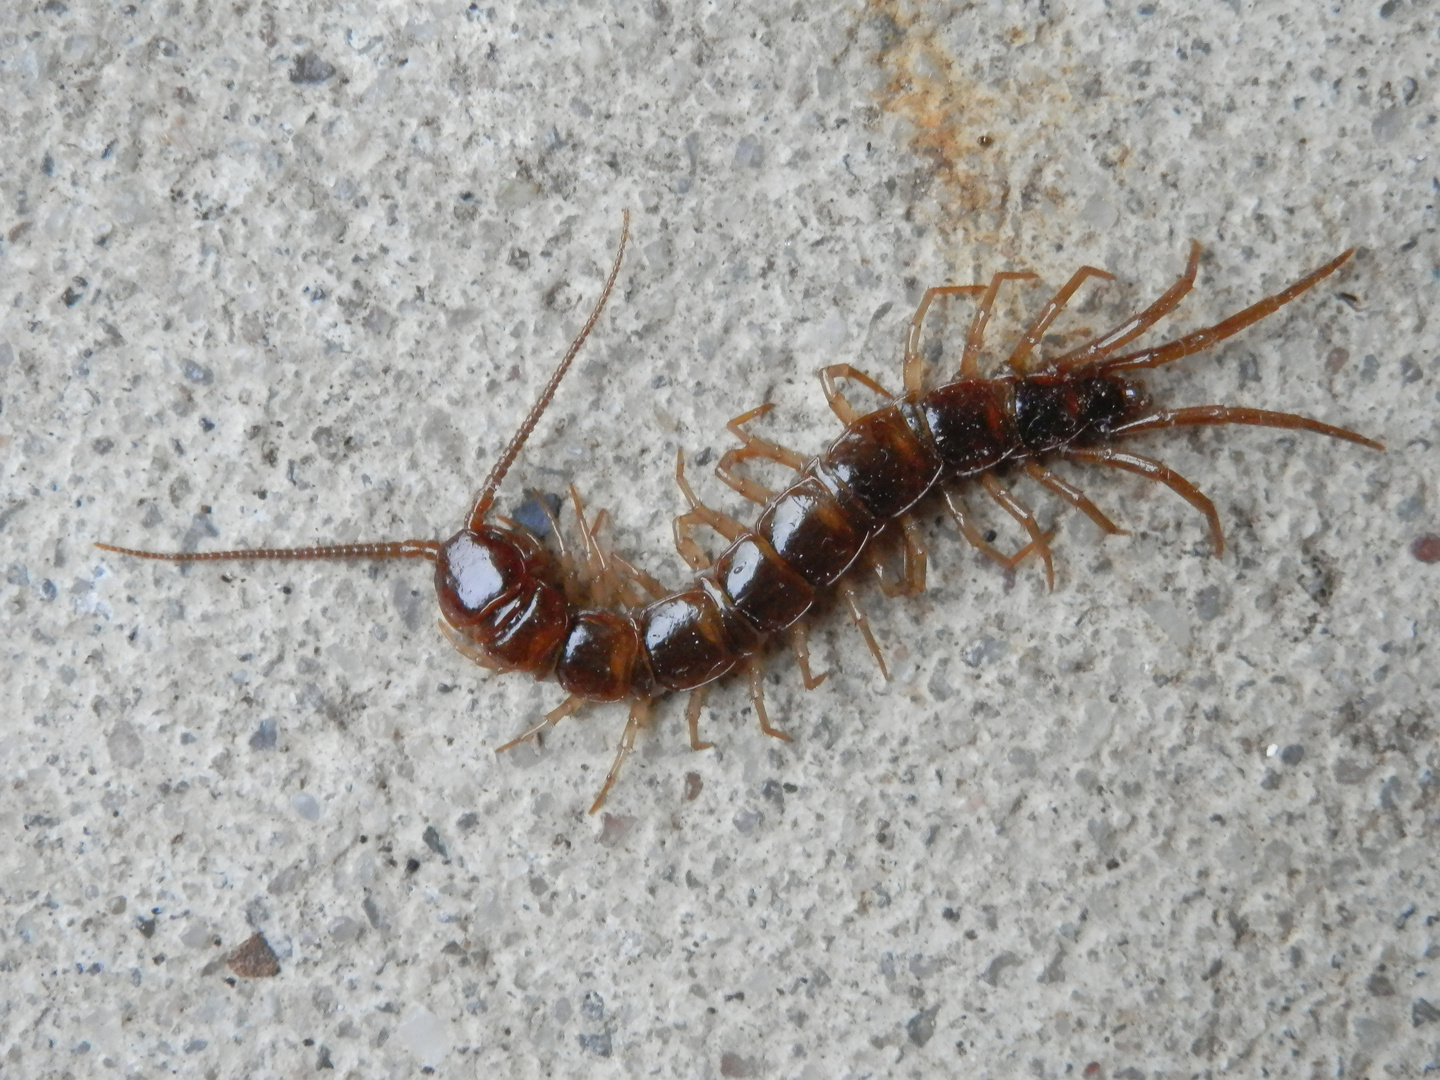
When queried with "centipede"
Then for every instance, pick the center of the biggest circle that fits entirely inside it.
(608, 632)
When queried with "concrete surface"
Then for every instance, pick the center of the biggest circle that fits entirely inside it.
(275, 273)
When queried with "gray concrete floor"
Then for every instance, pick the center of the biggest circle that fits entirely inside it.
(275, 273)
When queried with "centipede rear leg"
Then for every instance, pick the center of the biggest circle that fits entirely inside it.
(1074, 496)
(851, 596)
(693, 705)
(1158, 471)
(1098, 348)
(569, 707)
(1021, 513)
(1031, 337)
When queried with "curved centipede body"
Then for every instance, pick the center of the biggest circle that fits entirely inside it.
(608, 632)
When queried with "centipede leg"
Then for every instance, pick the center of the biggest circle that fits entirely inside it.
(1052, 308)
(914, 369)
(1154, 470)
(1021, 513)
(970, 359)
(692, 717)
(1074, 496)
(1220, 415)
(1202, 339)
(857, 616)
(916, 556)
(751, 447)
(847, 413)
(800, 644)
(639, 717)
(568, 707)
(699, 514)
(755, 672)
(1131, 328)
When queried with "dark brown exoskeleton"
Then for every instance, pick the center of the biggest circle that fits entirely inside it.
(608, 632)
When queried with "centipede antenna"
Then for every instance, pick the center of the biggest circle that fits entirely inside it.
(486, 498)
(390, 549)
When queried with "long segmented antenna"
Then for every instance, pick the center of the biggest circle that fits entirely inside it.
(409, 549)
(486, 498)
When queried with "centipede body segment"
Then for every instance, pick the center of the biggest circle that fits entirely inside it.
(608, 632)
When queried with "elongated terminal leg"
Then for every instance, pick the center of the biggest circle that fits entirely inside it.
(800, 643)
(1218, 415)
(1203, 339)
(970, 359)
(1131, 328)
(965, 522)
(568, 707)
(756, 674)
(1021, 513)
(847, 413)
(639, 717)
(1074, 496)
(699, 514)
(1154, 470)
(914, 370)
(1052, 308)
(753, 446)
(692, 717)
(846, 588)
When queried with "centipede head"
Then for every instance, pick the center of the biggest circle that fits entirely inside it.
(498, 589)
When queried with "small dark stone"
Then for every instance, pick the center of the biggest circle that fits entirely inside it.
(198, 373)
(921, 1026)
(432, 840)
(309, 68)
(598, 1044)
(254, 959)
(531, 512)
(1292, 754)
(1422, 1012)
(264, 737)
(146, 927)
(1380, 985)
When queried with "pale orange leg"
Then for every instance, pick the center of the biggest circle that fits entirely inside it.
(568, 707)
(1203, 339)
(751, 447)
(847, 413)
(914, 370)
(1132, 328)
(960, 512)
(692, 717)
(1154, 470)
(699, 514)
(1218, 415)
(1052, 308)
(970, 359)
(1074, 496)
(800, 643)
(639, 717)
(1021, 513)
(916, 554)
(857, 616)
(756, 675)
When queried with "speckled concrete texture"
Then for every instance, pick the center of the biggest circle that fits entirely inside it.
(275, 273)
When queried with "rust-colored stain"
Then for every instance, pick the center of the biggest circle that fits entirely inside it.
(972, 136)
